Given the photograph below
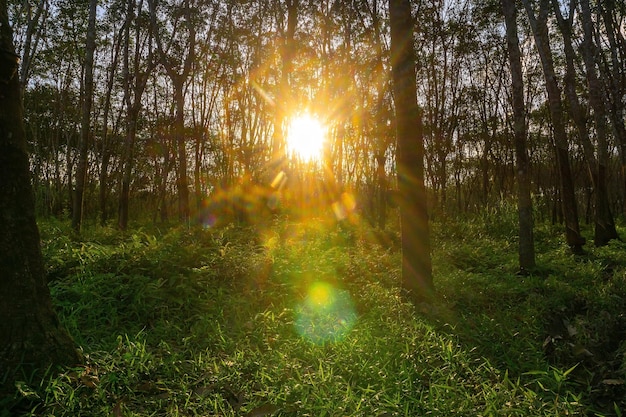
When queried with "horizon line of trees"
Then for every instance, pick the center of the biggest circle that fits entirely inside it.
(191, 98)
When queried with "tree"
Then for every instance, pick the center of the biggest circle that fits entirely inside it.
(568, 199)
(417, 278)
(605, 226)
(31, 336)
(186, 17)
(287, 50)
(524, 202)
(135, 77)
(85, 124)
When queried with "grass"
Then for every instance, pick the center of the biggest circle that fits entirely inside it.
(306, 319)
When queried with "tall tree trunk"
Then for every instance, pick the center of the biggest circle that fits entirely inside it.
(182, 183)
(130, 123)
(604, 224)
(575, 108)
(178, 77)
(417, 278)
(282, 101)
(615, 84)
(135, 81)
(381, 142)
(33, 34)
(524, 201)
(85, 125)
(105, 151)
(31, 338)
(568, 197)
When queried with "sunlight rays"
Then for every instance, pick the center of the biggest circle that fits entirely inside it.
(306, 137)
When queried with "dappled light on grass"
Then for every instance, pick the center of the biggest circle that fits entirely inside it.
(213, 322)
(327, 314)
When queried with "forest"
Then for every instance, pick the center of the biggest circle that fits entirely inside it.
(312, 207)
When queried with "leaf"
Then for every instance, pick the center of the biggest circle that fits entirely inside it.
(204, 391)
(90, 381)
(261, 411)
(117, 409)
(580, 350)
(571, 330)
(146, 387)
(613, 382)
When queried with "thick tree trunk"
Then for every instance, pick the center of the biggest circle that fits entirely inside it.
(524, 201)
(85, 125)
(31, 337)
(568, 197)
(417, 278)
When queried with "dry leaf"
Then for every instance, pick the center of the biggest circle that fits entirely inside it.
(262, 411)
(580, 350)
(571, 330)
(90, 381)
(613, 382)
(117, 409)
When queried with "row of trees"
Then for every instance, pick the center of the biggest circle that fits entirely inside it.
(158, 99)
(32, 337)
(191, 96)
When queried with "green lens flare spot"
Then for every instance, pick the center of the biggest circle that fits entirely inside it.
(326, 314)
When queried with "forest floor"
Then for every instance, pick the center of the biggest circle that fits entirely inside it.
(306, 319)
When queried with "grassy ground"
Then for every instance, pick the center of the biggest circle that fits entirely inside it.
(305, 319)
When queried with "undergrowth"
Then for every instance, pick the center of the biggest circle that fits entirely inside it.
(306, 319)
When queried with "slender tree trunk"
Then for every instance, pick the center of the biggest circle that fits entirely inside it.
(105, 152)
(283, 100)
(85, 126)
(575, 108)
(182, 183)
(33, 34)
(178, 78)
(382, 143)
(604, 224)
(31, 338)
(615, 82)
(417, 278)
(568, 197)
(130, 122)
(524, 201)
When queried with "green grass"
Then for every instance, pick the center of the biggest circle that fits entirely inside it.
(306, 319)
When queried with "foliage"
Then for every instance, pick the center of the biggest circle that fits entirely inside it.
(205, 322)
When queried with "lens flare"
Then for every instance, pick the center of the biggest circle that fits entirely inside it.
(344, 207)
(306, 137)
(326, 314)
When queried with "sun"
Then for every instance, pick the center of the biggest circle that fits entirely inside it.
(306, 136)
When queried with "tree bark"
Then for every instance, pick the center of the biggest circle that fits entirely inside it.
(85, 126)
(178, 78)
(134, 86)
(604, 225)
(282, 101)
(31, 338)
(417, 280)
(568, 198)
(524, 201)
(615, 84)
